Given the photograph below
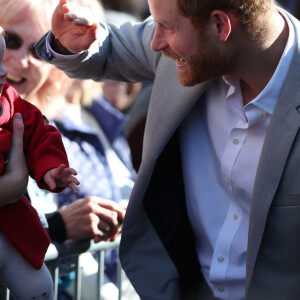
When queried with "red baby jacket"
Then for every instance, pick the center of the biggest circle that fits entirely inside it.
(44, 150)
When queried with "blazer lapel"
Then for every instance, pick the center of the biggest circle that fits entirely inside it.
(169, 104)
(283, 128)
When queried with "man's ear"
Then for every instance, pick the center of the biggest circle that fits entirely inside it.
(221, 24)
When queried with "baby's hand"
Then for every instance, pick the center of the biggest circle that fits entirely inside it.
(61, 177)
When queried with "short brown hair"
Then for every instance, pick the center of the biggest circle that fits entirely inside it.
(249, 12)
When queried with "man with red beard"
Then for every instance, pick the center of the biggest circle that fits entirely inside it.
(214, 213)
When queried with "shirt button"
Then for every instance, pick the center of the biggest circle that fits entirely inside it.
(235, 141)
(226, 181)
(220, 289)
(220, 259)
(234, 216)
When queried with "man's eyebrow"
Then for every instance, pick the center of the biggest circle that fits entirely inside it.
(167, 23)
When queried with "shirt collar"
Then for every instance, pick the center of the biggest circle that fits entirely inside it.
(267, 99)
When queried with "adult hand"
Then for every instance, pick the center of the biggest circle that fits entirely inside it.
(14, 181)
(74, 26)
(93, 217)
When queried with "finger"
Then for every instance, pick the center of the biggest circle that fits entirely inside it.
(63, 3)
(71, 171)
(69, 16)
(60, 168)
(99, 234)
(120, 211)
(50, 182)
(16, 154)
(18, 131)
(115, 232)
(73, 187)
(52, 185)
(102, 237)
(109, 209)
(81, 22)
(109, 204)
(105, 226)
(73, 180)
(97, 239)
(96, 205)
(110, 217)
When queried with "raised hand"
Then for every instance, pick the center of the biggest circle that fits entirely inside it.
(74, 26)
(61, 177)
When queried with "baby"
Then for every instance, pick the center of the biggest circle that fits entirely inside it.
(47, 162)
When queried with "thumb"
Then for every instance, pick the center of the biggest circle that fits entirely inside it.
(16, 154)
(18, 131)
(16, 159)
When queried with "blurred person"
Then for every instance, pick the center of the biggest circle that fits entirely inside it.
(142, 7)
(23, 239)
(120, 11)
(214, 213)
(120, 94)
(132, 99)
(136, 8)
(88, 119)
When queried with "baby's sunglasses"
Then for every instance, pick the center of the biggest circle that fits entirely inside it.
(14, 42)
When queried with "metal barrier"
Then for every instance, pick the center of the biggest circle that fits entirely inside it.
(56, 251)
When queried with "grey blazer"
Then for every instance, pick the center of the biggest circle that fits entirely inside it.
(157, 247)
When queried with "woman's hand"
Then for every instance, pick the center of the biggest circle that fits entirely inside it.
(14, 180)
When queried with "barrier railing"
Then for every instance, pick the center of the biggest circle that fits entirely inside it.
(57, 251)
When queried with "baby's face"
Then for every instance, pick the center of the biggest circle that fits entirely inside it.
(3, 71)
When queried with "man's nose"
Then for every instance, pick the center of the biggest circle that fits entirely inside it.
(158, 41)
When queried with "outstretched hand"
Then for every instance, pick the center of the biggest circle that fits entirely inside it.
(61, 177)
(74, 26)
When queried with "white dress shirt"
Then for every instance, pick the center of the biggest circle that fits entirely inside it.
(221, 143)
